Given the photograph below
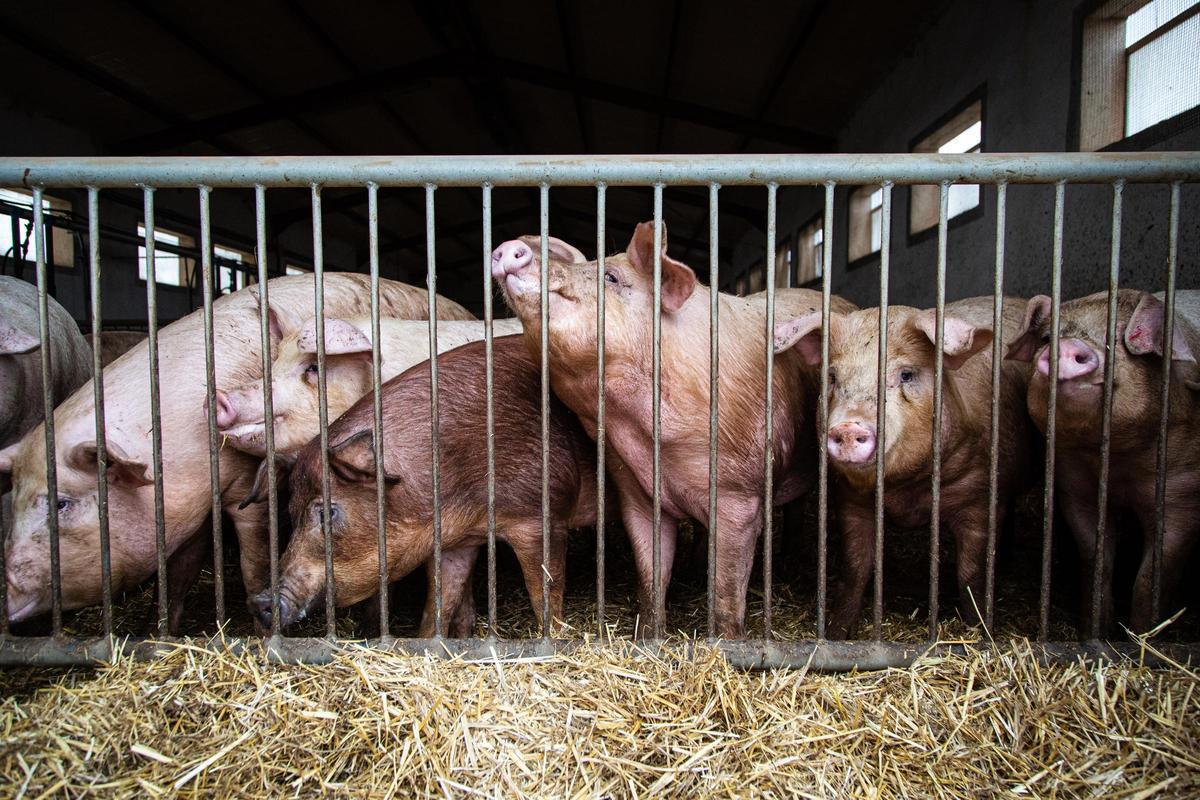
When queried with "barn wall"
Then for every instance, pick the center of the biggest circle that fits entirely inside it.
(1021, 52)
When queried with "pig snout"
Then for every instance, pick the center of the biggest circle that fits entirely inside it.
(851, 442)
(510, 258)
(1075, 360)
(260, 607)
(226, 412)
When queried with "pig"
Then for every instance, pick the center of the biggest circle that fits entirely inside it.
(851, 436)
(185, 454)
(1136, 415)
(407, 466)
(628, 282)
(403, 343)
(21, 400)
(114, 344)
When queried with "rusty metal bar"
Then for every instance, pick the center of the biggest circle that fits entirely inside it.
(768, 409)
(323, 406)
(544, 352)
(489, 392)
(935, 461)
(160, 530)
(1160, 487)
(264, 332)
(210, 405)
(885, 262)
(989, 600)
(823, 418)
(657, 589)
(1060, 195)
(601, 201)
(435, 454)
(98, 402)
(714, 394)
(377, 410)
(1110, 357)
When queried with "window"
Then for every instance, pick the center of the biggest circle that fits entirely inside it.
(810, 252)
(961, 133)
(1138, 68)
(230, 278)
(866, 221)
(16, 231)
(170, 269)
(296, 269)
(784, 259)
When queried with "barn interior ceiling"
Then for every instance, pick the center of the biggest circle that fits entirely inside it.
(287, 77)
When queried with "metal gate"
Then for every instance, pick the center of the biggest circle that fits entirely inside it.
(600, 172)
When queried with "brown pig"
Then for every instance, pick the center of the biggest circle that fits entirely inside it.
(1136, 415)
(185, 453)
(408, 471)
(628, 286)
(851, 438)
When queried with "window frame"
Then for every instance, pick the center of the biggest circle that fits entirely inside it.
(62, 234)
(870, 256)
(977, 95)
(816, 221)
(185, 241)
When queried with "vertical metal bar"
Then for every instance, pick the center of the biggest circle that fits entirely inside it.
(214, 450)
(323, 406)
(1160, 487)
(885, 260)
(1060, 195)
(264, 331)
(823, 418)
(768, 409)
(600, 454)
(543, 281)
(160, 531)
(935, 505)
(97, 315)
(377, 409)
(714, 392)
(989, 601)
(39, 250)
(434, 419)
(656, 412)
(1110, 357)
(491, 419)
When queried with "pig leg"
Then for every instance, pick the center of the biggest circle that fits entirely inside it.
(858, 561)
(1079, 509)
(250, 525)
(183, 566)
(526, 541)
(457, 570)
(638, 516)
(1179, 534)
(970, 537)
(739, 523)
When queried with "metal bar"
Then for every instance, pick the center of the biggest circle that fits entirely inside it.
(544, 350)
(1110, 357)
(566, 170)
(160, 530)
(39, 250)
(1060, 194)
(214, 450)
(989, 600)
(1160, 499)
(434, 419)
(935, 489)
(885, 261)
(657, 588)
(823, 417)
(601, 199)
(714, 390)
(768, 411)
(377, 409)
(98, 401)
(323, 406)
(491, 410)
(264, 331)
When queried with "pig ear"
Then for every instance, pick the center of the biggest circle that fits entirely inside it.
(1029, 341)
(563, 251)
(15, 342)
(340, 338)
(1144, 333)
(259, 491)
(803, 333)
(353, 459)
(275, 323)
(7, 456)
(678, 280)
(960, 339)
(122, 470)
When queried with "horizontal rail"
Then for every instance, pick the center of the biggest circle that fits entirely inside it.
(824, 656)
(695, 170)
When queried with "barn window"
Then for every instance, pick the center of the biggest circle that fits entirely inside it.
(170, 269)
(1138, 68)
(230, 278)
(785, 258)
(296, 269)
(810, 252)
(16, 228)
(866, 221)
(962, 132)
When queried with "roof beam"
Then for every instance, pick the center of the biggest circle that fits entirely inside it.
(672, 42)
(565, 16)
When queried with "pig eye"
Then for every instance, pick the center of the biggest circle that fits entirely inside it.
(907, 375)
(63, 504)
(610, 277)
(832, 377)
(311, 369)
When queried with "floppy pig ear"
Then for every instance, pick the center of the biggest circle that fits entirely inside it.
(122, 470)
(15, 342)
(563, 251)
(1144, 333)
(260, 489)
(341, 338)
(803, 333)
(960, 339)
(678, 280)
(353, 459)
(1029, 341)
